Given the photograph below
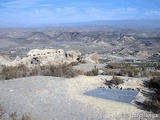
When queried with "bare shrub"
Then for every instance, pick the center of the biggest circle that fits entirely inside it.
(59, 71)
(129, 71)
(94, 72)
(9, 72)
(153, 74)
(114, 81)
(154, 83)
(125, 72)
(1, 111)
(26, 117)
(74, 63)
(121, 70)
(152, 103)
(113, 66)
(13, 116)
(112, 72)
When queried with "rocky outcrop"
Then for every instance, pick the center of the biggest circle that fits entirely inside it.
(74, 55)
(125, 38)
(46, 52)
(55, 57)
(4, 60)
(92, 58)
(17, 58)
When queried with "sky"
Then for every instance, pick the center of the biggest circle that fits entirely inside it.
(24, 13)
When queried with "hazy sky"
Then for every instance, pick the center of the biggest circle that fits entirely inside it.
(15, 13)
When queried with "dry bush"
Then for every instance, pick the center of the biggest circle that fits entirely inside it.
(64, 70)
(26, 117)
(1, 111)
(94, 72)
(121, 70)
(125, 72)
(153, 101)
(13, 116)
(129, 71)
(152, 105)
(113, 66)
(114, 81)
(113, 72)
(9, 72)
(59, 71)
(154, 83)
(152, 74)
(74, 64)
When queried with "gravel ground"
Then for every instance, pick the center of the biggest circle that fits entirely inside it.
(52, 98)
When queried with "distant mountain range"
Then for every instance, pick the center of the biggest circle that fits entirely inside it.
(141, 23)
(111, 23)
(118, 23)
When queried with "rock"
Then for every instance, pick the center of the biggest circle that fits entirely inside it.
(100, 72)
(110, 87)
(60, 52)
(17, 58)
(37, 52)
(74, 55)
(54, 57)
(129, 89)
(137, 89)
(4, 60)
(92, 58)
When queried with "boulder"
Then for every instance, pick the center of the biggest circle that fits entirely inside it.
(101, 72)
(4, 60)
(17, 58)
(60, 52)
(92, 58)
(75, 55)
